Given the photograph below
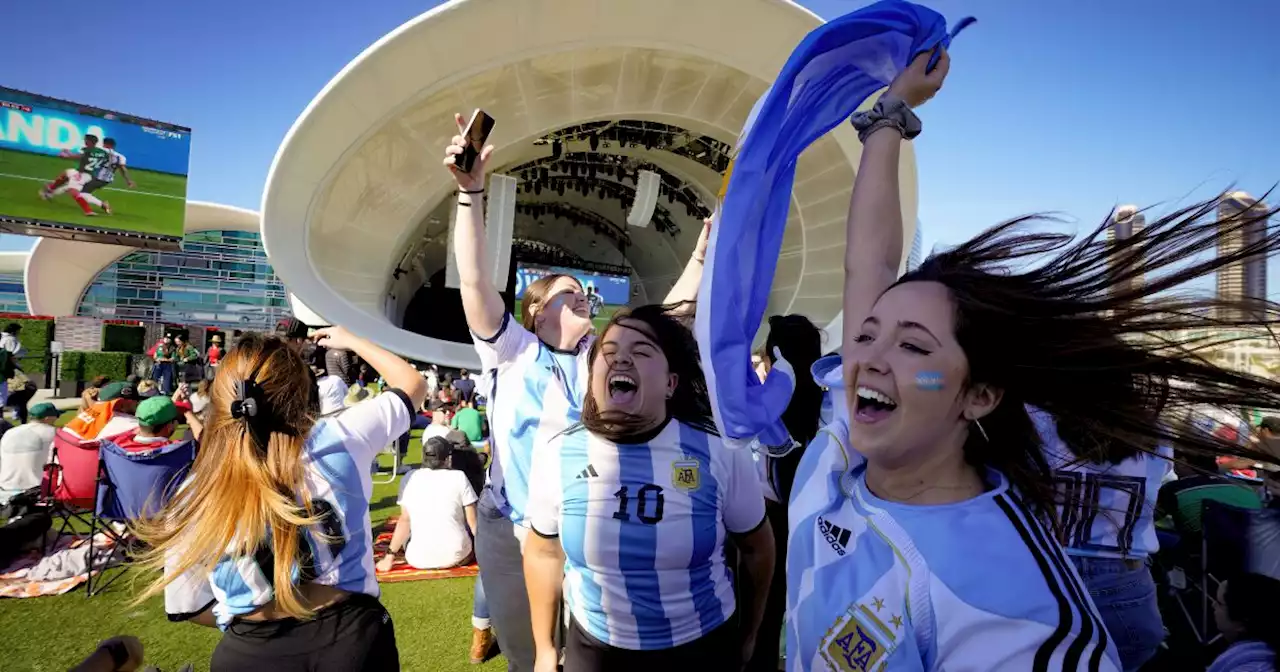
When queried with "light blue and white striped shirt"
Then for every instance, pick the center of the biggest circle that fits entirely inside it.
(1107, 510)
(537, 391)
(973, 586)
(643, 529)
(337, 459)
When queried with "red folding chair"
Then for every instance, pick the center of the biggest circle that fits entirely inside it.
(71, 481)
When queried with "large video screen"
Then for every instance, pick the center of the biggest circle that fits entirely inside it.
(609, 291)
(79, 172)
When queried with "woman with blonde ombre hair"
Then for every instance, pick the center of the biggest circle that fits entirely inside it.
(269, 537)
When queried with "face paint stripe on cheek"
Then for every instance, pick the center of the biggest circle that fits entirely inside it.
(929, 381)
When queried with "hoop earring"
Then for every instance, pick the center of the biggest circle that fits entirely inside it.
(981, 430)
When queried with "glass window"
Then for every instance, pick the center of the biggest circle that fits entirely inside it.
(221, 279)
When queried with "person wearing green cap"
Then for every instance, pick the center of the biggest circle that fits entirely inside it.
(113, 415)
(24, 450)
(157, 421)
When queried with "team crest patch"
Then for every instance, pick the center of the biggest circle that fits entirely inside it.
(684, 474)
(861, 639)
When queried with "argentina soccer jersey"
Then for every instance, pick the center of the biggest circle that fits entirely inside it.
(631, 511)
(268, 538)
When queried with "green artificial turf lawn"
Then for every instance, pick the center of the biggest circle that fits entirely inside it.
(157, 206)
(432, 620)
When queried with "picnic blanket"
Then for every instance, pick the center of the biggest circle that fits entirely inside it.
(58, 571)
(403, 571)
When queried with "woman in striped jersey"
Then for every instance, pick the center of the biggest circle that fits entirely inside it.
(922, 517)
(538, 367)
(631, 510)
(269, 538)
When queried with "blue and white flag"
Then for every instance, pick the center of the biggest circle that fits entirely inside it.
(833, 71)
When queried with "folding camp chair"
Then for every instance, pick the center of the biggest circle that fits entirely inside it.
(133, 485)
(381, 477)
(70, 481)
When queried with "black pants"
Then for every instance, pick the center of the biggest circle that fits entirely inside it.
(355, 634)
(768, 638)
(717, 650)
(502, 570)
(18, 400)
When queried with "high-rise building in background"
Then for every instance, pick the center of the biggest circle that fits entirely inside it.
(1126, 222)
(1245, 279)
(916, 256)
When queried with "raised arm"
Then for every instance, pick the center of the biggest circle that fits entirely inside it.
(481, 301)
(873, 249)
(685, 291)
(397, 372)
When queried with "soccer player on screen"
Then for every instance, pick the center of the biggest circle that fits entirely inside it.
(106, 175)
(595, 302)
(94, 163)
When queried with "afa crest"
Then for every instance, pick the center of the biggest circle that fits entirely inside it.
(861, 640)
(684, 474)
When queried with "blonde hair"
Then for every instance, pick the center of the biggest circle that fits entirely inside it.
(247, 484)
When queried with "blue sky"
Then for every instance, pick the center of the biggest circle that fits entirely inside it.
(1071, 106)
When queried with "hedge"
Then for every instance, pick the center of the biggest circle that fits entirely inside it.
(86, 365)
(123, 338)
(35, 337)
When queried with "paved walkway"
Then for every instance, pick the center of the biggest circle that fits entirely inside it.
(62, 404)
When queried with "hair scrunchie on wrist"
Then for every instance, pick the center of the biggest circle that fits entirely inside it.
(889, 111)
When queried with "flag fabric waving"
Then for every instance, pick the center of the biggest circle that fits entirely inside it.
(829, 75)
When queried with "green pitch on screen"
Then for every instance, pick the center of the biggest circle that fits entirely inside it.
(156, 206)
(600, 320)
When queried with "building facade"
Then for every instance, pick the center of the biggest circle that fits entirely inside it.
(13, 293)
(1245, 279)
(916, 256)
(219, 279)
(1125, 223)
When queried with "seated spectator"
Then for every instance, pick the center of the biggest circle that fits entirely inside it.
(24, 450)
(1199, 480)
(111, 416)
(469, 421)
(355, 395)
(443, 400)
(1246, 615)
(437, 513)
(200, 398)
(148, 389)
(332, 389)
(432, 423)
(90, 395)
(157, 421)
(465, 387)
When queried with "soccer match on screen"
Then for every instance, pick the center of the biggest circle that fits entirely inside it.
(70, 167)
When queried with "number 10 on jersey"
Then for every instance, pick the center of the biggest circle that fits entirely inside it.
(648, 504)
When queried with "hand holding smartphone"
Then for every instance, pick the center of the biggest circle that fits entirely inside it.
(474, 136)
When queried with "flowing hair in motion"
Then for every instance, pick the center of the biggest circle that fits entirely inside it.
(245, 494)
(1073, 327)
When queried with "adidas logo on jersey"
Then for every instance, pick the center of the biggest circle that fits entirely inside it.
(589, 472)
(835, 535)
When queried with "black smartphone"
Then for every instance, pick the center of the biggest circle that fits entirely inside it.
(476, 134)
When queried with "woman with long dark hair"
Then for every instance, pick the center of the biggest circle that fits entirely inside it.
(800, 344)
(268, 539)
(539, 368)
(923, 521)
(630, 512)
